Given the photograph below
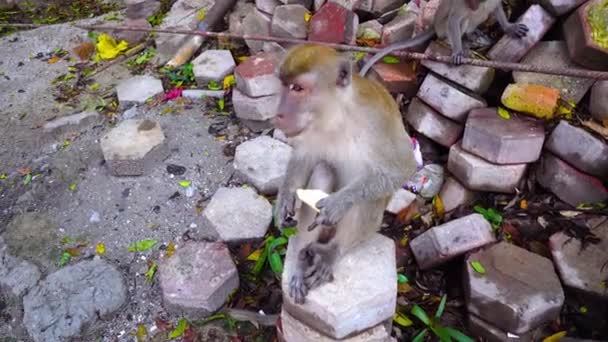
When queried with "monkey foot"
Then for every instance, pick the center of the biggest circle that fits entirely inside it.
(297, 289)
(458, 56)
(518, 30)
(318, 274)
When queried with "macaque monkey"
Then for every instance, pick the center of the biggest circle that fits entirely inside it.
(453, 19)
(348, 140)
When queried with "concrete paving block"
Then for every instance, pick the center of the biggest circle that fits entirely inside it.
(256, 23)
(554, 54)
(334, 23)
(450, 240)
(289, 21)
(499, 141)
(361, 296)
(582, 47)
(73, 122)
(194, 264)
(399, 29)
(510, 49)
(431, 124)
(560, 7)
(579, 148)
(213, 65)
(401, 199)
(371, 29)
(480, 328)
(263, 163)
(256, 76)
(448, 100)
(518, 292)
(598, 101)
(478, 174)
(454, 195)
(569, 184)
(254, 108)
(134, 147)
(397, 78)
(238, 214)
(267, 6)
(138, 89)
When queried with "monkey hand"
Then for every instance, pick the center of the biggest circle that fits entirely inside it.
(285, 210)
(297, 288)
(332, 210)
(517, 30)
(457, 57)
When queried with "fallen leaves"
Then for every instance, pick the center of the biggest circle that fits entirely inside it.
(84, 51)
(108, 48)
(151, 272)
(100, 249)
(478, 267)
(142, 246)
(180, 329)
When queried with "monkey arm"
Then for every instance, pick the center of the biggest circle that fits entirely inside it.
(515, 30)
(299, 171)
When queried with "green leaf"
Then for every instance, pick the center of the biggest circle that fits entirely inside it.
(421, 314)
(503, 113)
(277, 242)
(478, 267)
(401, 278)
(402, 319)
(276, 264)
(221, 104)
(360, 55)
(287, 232)
(73, 186)
(151, 272)
(420, 337)
(441, 333)
(391, 60)
(441, 307)
(65, 258)
(184, 183)
(214, 86)
(179, 330)
(27, 179)
(259, 265)
(458, 336)
(142, 246)
(67, 240)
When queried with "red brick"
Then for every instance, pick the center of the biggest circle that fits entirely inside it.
(333, 24)
(397, 78)
(255, 76)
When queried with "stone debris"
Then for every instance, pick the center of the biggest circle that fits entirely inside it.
(256, 23)
(134, 147)
(141, 9)
(579, 148)
(554, 54)
(197, 280)
(133, 37)
(267, 6)
(213, 65)
(450, 240)
(334, 23)
(512, 294)
(401, 199)
(431, 124)
(509, 49)
(252, 108)
(581, 45)
(138, 89)
(361, 296)
(397, 78)
(262, 162)
(18, 275)
(238, 214)
(237, 15)
(399, 29)
(478, 174)
(569, 184)
(533, 99)
(560, 7)
(454, 195)
(383, 6)
(448, 100)
(598, 101)
(499, 141)
(296, 331)
(198, 94)
(74, 122)
(480, 328)
(289, 21)
(255, 77)
(477, 79)
(582, 268)
(71, 299)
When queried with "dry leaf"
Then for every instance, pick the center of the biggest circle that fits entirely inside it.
(25, 170)
(170, 249)
(597, 128)
(407, 214)
(53, 60)
(84, 50)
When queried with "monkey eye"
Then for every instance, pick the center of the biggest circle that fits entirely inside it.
(295, 87)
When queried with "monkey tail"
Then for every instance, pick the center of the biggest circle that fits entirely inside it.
(419, 39)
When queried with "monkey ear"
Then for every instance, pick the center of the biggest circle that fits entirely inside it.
(345, 73)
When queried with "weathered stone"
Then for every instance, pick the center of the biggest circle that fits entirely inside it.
(401, 199)
(554, 54)
(238, 214)
(431, 124)
(569, 184)
(138, 89)
(267, 6)
(361, 296)
(453, 195)
(518, 291)
(478, 174)
(560, 7)
(133, 37)
(397, 78)
(447, 99)
(236, 16)
(202, 93)
(370, 30)
(72, 122)
(273, 47)
(256, 76)
(537, 100)
(256, 23)
(428, 10)
(305, 3)
(141, 9)
(212, 65)
(579, 148)
(383, 6)
(289, 21)
(490, 333)
(348, 4)
(510, 49)
(197, 279)
(581, 268)
(514, 141)
(263, 162)
(279, 135)
(598, 101)
(134, 147)
(257, 126)
(399, 29)
(18, 275)
(450, 240)
(71, 299)
(317, 4)
(333, 24)
(477, 79)
(582, 47)
(254, 108)
(296, 331)
(182, 16)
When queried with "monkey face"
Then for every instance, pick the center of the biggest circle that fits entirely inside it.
(296, 105)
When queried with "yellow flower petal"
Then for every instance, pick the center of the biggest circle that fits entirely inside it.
(107, 48)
